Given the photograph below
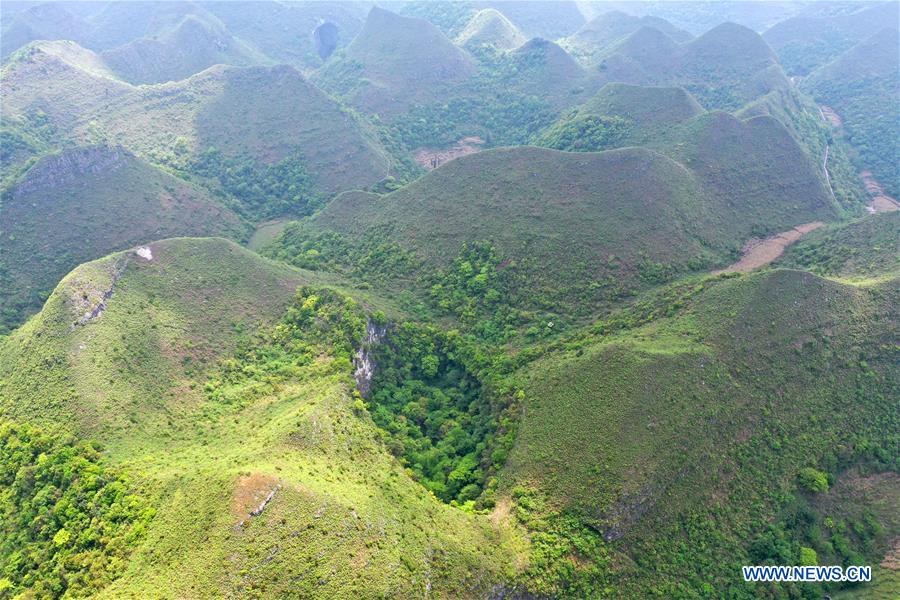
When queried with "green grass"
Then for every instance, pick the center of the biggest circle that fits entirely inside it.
(604, 31)
(856, 251)
(681, 439)
(85, 203)
(347, 520)
(573, 226)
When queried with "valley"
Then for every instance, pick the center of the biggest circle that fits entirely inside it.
(488, 300)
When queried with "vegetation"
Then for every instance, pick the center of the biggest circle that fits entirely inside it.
(859, 250)
(587, 133)
(85, 203)
(860, 85)
(69, 520)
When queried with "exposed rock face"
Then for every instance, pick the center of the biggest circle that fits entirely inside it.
(326, 39)
(363, 364)
(69, 166)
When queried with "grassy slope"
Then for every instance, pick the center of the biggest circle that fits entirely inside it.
(725, 67)
(85, 203)
(809, 41)
(393, 63)
(680, 439)
(257, 112)
(862, 85)
(572, 221)
(347, 520)
(859, 250)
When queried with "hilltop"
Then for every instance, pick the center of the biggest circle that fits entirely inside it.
(725, 68)
(575, 225)
(542, 69)
(242, 119)
(807, 41)
(861, 86)
(548, 20)
(84, 203)
(489, 27)
(50, 21)
(393, 63)
(280, 468)
(861, 250)
(604, 31)
(620, 115)
(192, 46)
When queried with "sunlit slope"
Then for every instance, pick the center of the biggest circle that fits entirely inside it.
(345, 518)
(256, 114)
(678, 429)
(85, 203)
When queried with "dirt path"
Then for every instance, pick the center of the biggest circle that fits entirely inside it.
(429, 158)
(881, 202)
(758, 253)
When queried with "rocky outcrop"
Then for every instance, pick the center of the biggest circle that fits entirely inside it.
(70, 165)
(363, 363)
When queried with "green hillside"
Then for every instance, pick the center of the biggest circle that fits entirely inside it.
(85, 203)
(726, 67)
(679, 431)
(213, 427)
(188, 49)
(861, 85)
(860, 250)
(602, 32)
(240, 127)
(548, 20)
(571, 229)
(620, 115)
(489, 27)
(811, 40)
(393, 63)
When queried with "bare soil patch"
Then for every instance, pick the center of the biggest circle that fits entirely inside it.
(829, 115)
(758, 253)
(250, 493)
(430, 158)
(880, 201)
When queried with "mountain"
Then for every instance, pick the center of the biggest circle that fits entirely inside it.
(808, 41)
(861, 85)
(586, 228)
(260, 117)
(603, 31)
(85, 203)
(620, 115)
(188, 49)
(294, 481)
(542, 69)
(49, 21)
(725, 67)
(541, 18)
(702, 422)
(286, 32)
(394, 63)
(862, 250)
(489, 27)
